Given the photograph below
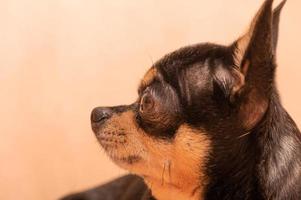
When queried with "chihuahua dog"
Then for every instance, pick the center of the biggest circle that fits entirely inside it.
(208, 125)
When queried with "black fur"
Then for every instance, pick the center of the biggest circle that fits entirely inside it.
(124, 188)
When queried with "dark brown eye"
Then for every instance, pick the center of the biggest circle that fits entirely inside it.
(146, 103)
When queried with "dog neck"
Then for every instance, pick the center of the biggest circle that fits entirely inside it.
(264, 164)
(279, 153)
(178, 180)
(184, 189)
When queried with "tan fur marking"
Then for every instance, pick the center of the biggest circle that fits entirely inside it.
(185, 157)
(172, 170)
(149, 77)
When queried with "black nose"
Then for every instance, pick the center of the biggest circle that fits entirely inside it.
(100, 114)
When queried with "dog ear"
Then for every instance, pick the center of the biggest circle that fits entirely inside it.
(258, 45)
(254, 56)
(276, 21)
(252, 77)
(257, 41)
(263, 34)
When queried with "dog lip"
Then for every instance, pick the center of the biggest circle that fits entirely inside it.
(130, 159)
(96, 126)
(107, 138)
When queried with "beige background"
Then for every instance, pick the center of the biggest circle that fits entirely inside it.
(61, 58)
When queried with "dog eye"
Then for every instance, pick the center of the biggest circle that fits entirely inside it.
(146, 103)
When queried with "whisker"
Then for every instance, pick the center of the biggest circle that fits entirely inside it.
(244, 135)
(169, 170)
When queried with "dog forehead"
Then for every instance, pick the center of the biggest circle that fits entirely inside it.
(189, 63)
(204, 55)
(192, 54)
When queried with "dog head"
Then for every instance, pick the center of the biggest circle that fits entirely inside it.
(192, 104)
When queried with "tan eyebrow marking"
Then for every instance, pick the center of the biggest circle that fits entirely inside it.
(148, 77)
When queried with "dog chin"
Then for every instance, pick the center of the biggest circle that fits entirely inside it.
(114, 144)
(126, 162)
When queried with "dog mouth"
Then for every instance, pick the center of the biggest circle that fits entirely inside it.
(107, 136)
(114, 144)
(109, 140)
(130, 159)
(113, 151)
(111, 137)
(96, 128)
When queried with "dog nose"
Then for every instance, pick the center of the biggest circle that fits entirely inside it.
(100, 114)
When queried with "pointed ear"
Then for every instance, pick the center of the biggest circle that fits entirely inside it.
(253, 56)
(275, 28)
(262, 36)
(257, 39)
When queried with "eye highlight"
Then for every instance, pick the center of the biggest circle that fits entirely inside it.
(146, 103)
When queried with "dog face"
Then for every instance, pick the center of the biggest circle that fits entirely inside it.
(192, 105)
(153, 137)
